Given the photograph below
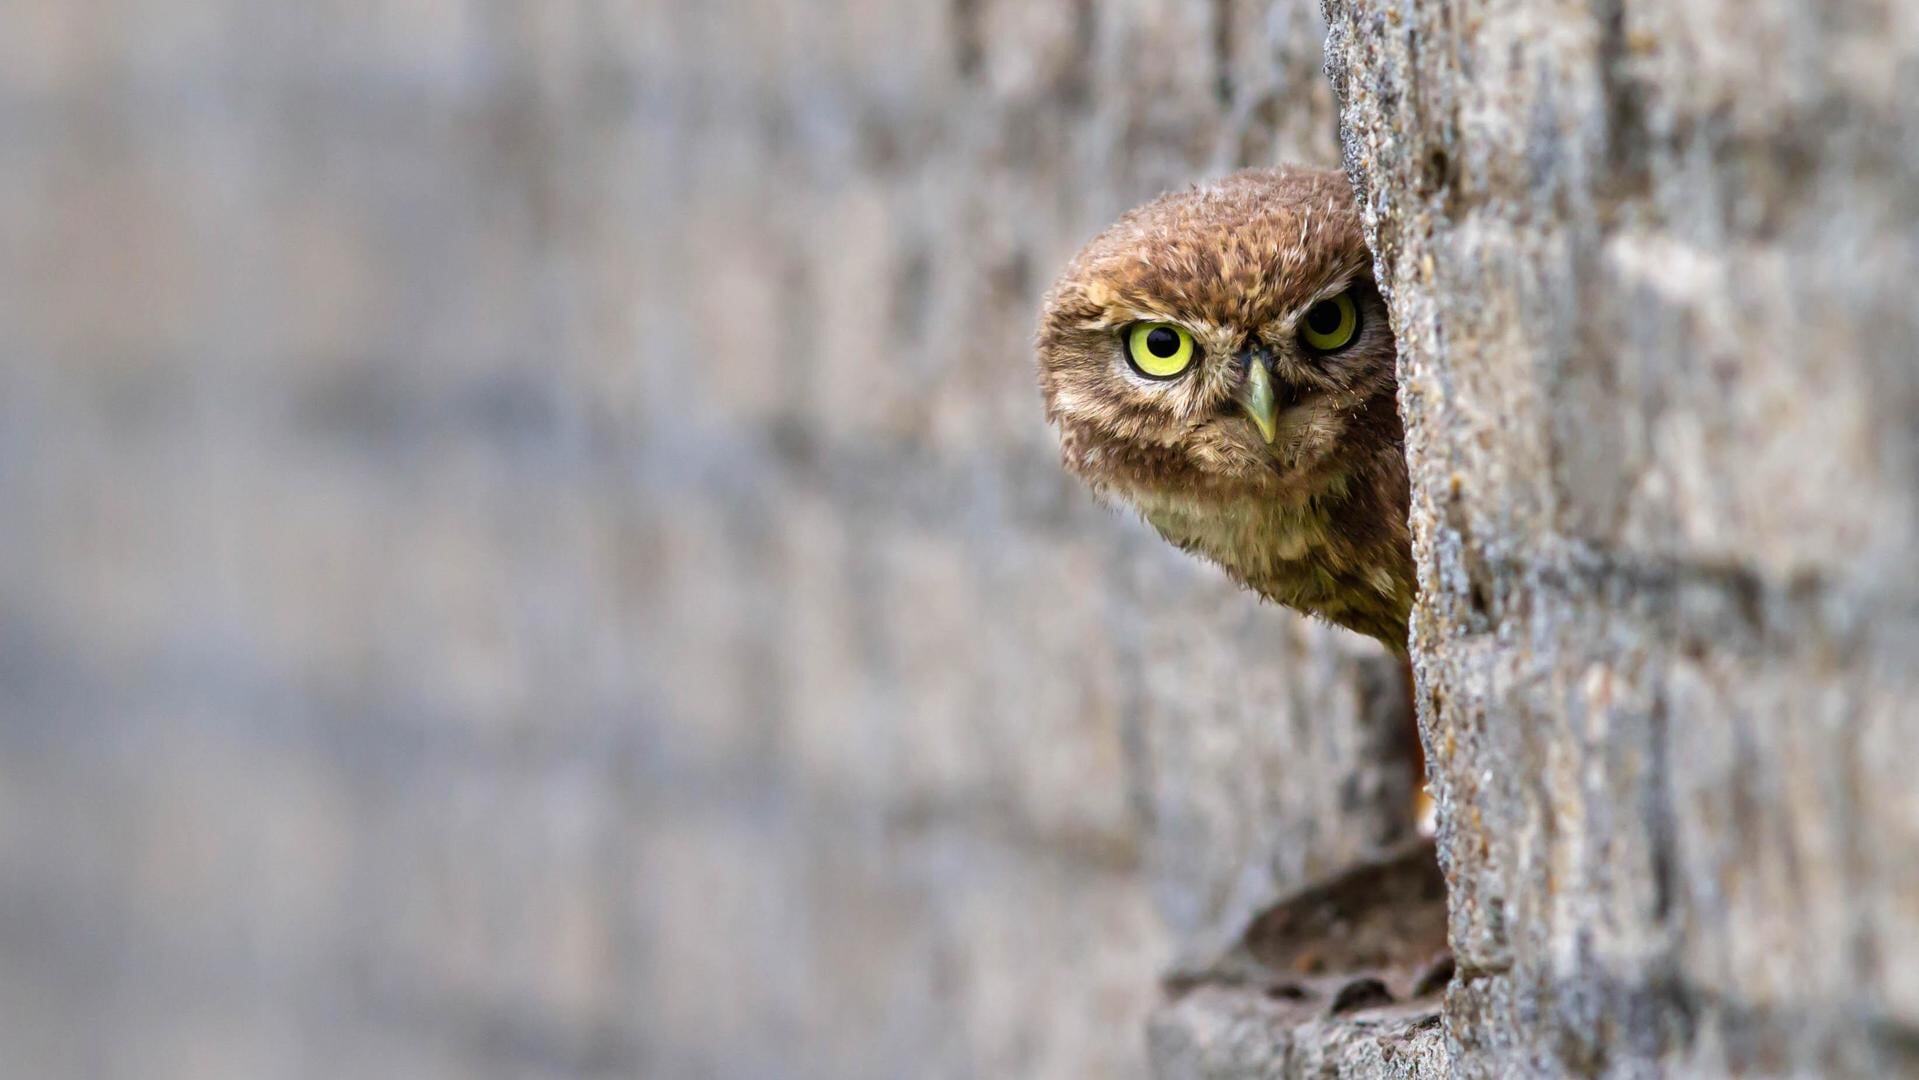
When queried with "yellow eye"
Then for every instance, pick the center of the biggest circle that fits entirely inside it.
(1159, 350)
(1331, 324)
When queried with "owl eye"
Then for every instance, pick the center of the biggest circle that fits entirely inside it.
(1331, 324)
(1159, 350)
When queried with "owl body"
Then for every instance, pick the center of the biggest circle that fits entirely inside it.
(1220, 360)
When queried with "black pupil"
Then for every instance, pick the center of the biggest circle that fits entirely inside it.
(1324, 318)
(1162, 342)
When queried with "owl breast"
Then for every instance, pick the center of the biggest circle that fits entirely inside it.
(1291, 553)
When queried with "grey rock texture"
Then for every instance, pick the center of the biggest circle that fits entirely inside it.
(530, 548)
(1220, 1033)
(1651, 268)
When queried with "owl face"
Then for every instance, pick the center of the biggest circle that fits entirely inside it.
(1222, 343)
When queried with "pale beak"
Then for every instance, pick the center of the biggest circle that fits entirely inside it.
(1256, 395)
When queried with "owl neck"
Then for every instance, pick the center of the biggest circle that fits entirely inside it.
(1340, 549)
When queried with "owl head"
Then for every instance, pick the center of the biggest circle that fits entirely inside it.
(1223, 344)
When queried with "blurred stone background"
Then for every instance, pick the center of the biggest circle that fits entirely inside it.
(528, 545)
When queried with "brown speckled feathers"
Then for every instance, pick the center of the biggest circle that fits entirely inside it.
(1291, 476)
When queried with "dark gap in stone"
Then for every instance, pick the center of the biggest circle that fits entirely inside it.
(1362, 993)
(1436, 976)
(1290, 991)
(1384, 920)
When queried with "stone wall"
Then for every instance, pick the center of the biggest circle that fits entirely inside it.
(1651, 268)
(531, 548)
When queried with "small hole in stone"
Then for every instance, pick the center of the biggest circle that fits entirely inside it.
(1481, 599)
(1361, 994)
(1439, 170)
(1286, 992)
(1435, 977)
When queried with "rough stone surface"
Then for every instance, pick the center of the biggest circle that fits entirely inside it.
(530, 547)
(1220, 1033)
(1651, 266)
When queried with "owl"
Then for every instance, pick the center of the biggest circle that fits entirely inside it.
(1220, 360)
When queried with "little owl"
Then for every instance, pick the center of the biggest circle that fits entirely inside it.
(1221, 360)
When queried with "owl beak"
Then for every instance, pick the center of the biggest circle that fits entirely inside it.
(1256, 395)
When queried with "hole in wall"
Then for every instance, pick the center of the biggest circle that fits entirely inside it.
(1361, 993)
(1381, 922)
(1374, 934)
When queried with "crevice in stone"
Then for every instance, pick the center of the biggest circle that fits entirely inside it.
(1381, 922)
